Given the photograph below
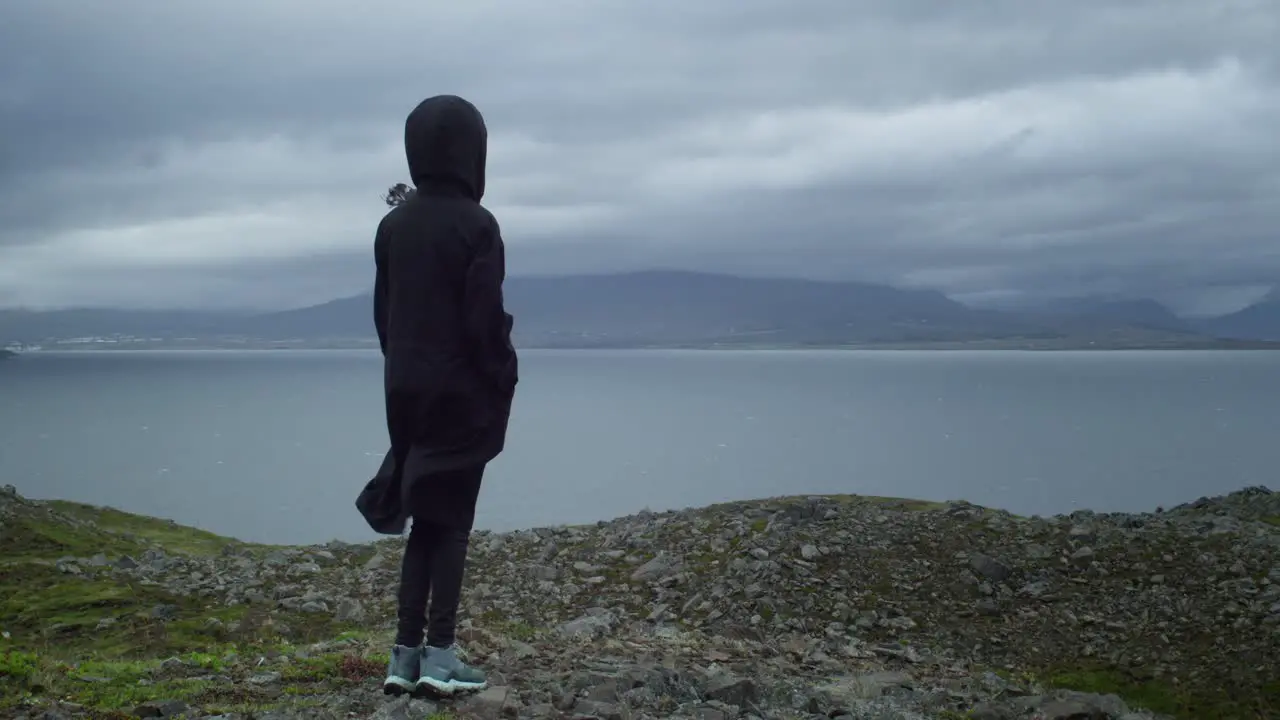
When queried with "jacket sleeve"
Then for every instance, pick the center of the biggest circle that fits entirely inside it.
(488, 325)
(380, 289)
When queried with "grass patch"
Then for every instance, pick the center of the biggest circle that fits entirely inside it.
(44, 609)
(503, 625)
(1179, 701)
(903, 504)
(96, 636)
(1272, 520)
(522, 631)
(17, 671)
(215, 683)
(26, 539)
(56, 529)
(103, 614)
(75, 617)
(131, 528)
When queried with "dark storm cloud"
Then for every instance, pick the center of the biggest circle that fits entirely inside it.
(178, 153)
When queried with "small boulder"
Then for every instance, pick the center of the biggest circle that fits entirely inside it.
(730, 689)
(659, 567)
(990, 568)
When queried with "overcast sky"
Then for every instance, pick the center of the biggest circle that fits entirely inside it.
(232, 153)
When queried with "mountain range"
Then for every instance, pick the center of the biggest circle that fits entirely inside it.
(683, 309)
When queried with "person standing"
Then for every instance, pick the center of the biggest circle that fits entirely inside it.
(449, 373)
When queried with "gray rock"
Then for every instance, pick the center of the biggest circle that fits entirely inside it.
(277, 558)
(1082, 533)
(545, 572)
(266, 678)
(406, 708)
(522, 650)
(164, 612)
(588, 626)
(659, 567)
(1108, 705)
(707, 712)
(1036, 589)
(350, 610)
(873, 685)
(303, 569)
(992, 711)
(1072, 710)
(489, 703)
(730, 689)
(989, 568)
(1083, 554)
(161, 709)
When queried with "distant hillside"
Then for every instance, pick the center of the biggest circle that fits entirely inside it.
(31, 326)
(1257, 322)
(1091, 315)
(661, 308)
(675, 308)
(600, 310)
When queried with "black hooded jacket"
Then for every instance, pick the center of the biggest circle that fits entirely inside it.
(450, 370)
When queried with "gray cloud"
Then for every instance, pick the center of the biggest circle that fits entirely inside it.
(232, 153)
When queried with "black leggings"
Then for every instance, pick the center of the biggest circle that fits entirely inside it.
(435, 559)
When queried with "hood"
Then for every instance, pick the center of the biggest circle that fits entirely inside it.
(446, 142)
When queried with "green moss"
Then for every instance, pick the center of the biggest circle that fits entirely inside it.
(55, 529)
(17, 670)
(27, 539)
(107, 685)
(123, 694)
(132, 530)
(1152, 695)
(96, 637)
(502, 624)
(903, 504)
(1179, 701)
(76, 617)
(1272, 520)
(44, 608)
(313, 669)
(522, 631)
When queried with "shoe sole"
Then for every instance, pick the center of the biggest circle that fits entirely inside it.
(396, 686)
(450, 688)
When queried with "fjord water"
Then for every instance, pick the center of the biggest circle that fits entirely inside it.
(274, 445)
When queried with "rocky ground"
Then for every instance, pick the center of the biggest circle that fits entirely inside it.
(819, 607)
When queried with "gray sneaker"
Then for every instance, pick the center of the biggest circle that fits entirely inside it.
(441, 672)
(402, 670)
